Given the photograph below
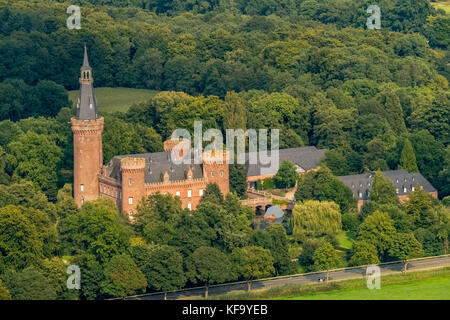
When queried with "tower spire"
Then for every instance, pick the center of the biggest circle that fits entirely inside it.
(87, 103)
(85, 65)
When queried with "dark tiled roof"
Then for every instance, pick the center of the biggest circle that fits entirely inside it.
(156, 165)
(404, 182)
(306, 158)
(87, 103)
(159, 162)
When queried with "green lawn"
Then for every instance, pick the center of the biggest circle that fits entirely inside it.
(437, 288)
(117, 99)
(344, 240)
(442, 5)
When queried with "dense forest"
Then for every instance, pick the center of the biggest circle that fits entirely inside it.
(376, 99)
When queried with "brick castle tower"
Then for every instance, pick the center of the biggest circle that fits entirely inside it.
(87, 128)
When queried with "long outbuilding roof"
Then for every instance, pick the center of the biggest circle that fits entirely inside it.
(403, 181)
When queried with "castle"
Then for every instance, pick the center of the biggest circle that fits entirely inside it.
(126, 179)
(129, 178)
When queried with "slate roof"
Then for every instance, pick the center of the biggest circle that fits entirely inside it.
(306, 158)
(404, 182)
(158, 163)
(87, 102)
(276, 211)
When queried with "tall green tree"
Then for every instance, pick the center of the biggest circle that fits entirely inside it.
(250, 263)
(208, 265)
(238, 179)
(122, 277)
(322, 185)
(163, 268)
(96, 229)
(377, 229)
(279, 248)
(405, 246)
(408, 158)
(383, 192)
(315, 219)
(363, 253)
(286, 176)
(28, 284)
(326, 258)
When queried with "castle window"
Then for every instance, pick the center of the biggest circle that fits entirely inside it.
(404, 189)
(131, 212)
(413, 188)
(396, 190)
(200, 192)
(360, 194)
(130, 182)
(82, 200)
(82, 187)
(130, 200)
(178, 193)
(212, 173)
(221, 173)
(189, 206)
(189, 193)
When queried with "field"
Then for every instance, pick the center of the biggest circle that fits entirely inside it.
(442, 5)
(344, 240)
(117, 99)
(420, 285)
(436, 288)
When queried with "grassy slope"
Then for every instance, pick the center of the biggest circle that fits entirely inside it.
(436, 288)
(442, 5)
(421, 285)
(344, 240)
(117, 99)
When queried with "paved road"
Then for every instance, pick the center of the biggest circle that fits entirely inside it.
(347, 274)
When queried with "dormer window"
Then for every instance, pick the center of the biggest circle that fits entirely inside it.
(360, 194)
(396, 190)
(404, 189)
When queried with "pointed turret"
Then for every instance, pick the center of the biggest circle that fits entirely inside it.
(85, 65)
(87, 103)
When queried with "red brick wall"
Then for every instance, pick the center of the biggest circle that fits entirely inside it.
(133, 183)
(215, 172)
(88, 158)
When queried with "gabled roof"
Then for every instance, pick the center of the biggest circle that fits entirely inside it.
(156, 165)
(404, 182)
(306, 158)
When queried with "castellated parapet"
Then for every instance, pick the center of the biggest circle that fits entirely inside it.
(87, 127)
(132, 164)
